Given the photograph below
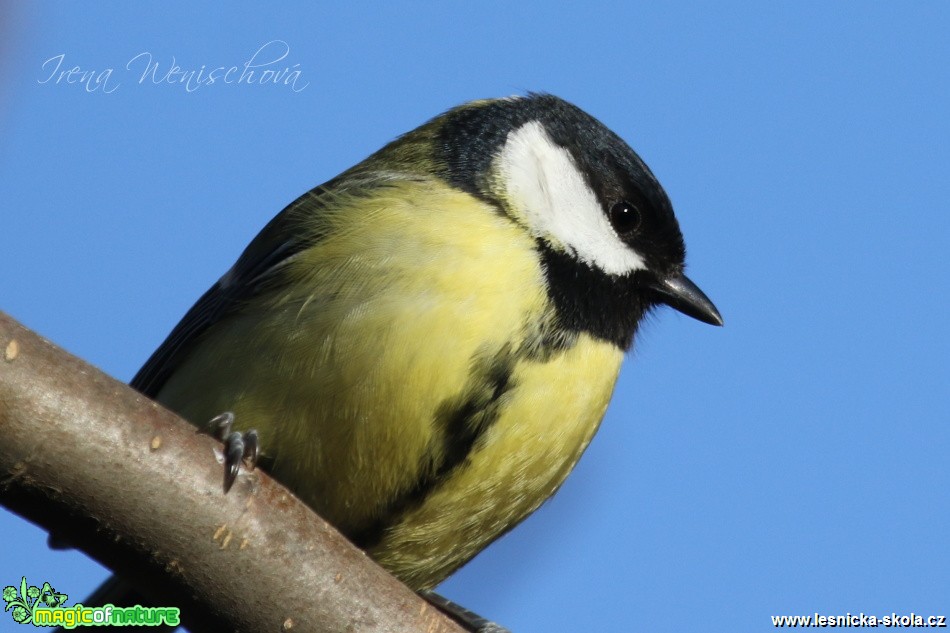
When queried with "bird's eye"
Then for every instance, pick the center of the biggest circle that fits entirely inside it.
(625, 218)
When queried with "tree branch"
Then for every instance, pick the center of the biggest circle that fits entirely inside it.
(140, 490)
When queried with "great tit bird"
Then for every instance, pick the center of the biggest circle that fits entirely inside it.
(427, 343)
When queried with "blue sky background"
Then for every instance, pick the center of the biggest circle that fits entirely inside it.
(794, 461)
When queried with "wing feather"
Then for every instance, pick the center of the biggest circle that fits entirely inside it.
(255, 271)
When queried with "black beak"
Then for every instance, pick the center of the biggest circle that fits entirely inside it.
(678, 292)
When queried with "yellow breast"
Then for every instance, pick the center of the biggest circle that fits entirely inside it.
(554, 411)
(345, 368)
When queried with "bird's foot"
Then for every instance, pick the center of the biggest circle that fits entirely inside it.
(469, 620)
(238, 447)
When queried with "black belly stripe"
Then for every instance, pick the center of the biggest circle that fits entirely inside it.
(463, 420)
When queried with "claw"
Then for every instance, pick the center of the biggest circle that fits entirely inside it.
(221, 425)
(468, 620)
(233, 454)
(252, 449)
(238, 447)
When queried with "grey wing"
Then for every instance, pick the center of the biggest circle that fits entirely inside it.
(254, 271)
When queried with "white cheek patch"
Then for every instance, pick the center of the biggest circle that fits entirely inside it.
(555, 202)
